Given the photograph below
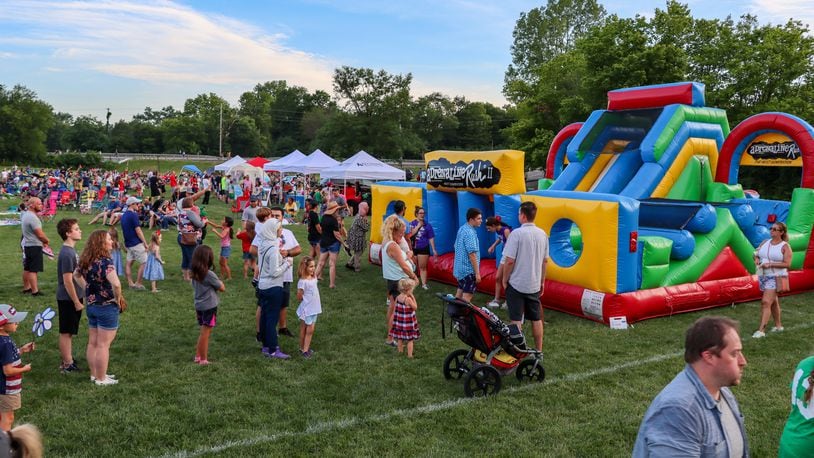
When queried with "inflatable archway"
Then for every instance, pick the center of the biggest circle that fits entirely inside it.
(641, 204)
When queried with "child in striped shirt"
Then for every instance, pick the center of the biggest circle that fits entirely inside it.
(12, 374)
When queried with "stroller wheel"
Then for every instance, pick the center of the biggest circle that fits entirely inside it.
(530, 369)
(457, 364)
(482, 381)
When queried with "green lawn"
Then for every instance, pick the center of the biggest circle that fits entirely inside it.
(357, 397)
(162, 165)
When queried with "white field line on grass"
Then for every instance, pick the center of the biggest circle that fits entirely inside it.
(335, 425)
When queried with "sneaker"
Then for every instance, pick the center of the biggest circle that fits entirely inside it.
(307, 354)
(758, 335)
(196, 359)
(504, 306)
(278, 354)
(392, 343)
(265, 352)
(26, 291)
(38, 293)
(138, 287)
(493, 304)
(203, 362)
(69, 368)
(425, 286)
(93, 379)
(106, 381)
(285, 332)
(776, 329)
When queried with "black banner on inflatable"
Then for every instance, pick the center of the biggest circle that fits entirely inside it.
(763, 150)
(475, 174)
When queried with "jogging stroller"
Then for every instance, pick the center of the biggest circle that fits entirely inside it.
(496, 350)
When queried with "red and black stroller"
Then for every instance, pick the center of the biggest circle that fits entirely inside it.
(496, 349)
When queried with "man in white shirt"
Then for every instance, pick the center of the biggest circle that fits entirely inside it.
(289, 247)
(526, 255)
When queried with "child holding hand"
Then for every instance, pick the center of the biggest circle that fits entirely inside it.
(13, 369)
(405, 322)
(225, 235)
(246, 236)
(310, 304)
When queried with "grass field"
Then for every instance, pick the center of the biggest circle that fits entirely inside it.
(162, 165)
(357, 397)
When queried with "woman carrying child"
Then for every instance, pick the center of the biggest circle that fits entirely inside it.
(205, 286)
(310, 304)
(405, 322)
(154, 269)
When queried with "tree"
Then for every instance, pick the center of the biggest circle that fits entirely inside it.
(544, 33)
(434, 121)
(56, 139)
(244, 137)
(87, 134)
(24, 124)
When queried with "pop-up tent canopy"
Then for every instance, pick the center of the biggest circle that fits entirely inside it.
(230, 163)
(246, 169)
(192, 168)
(363, 166)
(288, 159)
(258, 161)
(316, 162)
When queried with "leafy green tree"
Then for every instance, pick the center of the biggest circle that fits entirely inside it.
(56, 139)
(202, 114)
(24, 124)
(244, 137)
(434, 121)
(546, 32)
(474, 127)
(88, 134)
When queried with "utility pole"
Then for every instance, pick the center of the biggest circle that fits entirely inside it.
(220, 133)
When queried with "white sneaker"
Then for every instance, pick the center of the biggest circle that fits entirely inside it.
(425, 286)
(758, 335)
(493, 304)
(93, 379)
(106, 381)
(503, 305)
(776, 329)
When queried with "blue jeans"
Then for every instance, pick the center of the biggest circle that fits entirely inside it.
(186, 254)
(166, 221)
(271, 300)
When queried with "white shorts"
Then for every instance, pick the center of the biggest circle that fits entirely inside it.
(137, 253)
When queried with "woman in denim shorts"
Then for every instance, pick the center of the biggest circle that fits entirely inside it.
(105, 302)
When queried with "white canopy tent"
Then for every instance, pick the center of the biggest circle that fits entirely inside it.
(363, 166)
(279, 164)
(247, 169)
(237, 160)
(315, 162)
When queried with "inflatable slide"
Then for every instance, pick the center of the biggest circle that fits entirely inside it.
(641, 203)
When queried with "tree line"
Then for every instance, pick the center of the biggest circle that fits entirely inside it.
(565, 54)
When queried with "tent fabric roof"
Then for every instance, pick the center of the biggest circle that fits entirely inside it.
(363, 166)
(230, 163)
(246, 169)
(314, 163)
(192, 168)
(258, 161)
(289, 158)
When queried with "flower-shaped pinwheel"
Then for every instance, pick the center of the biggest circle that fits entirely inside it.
(42, 322)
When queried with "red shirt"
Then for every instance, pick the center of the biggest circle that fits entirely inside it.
(245, 240)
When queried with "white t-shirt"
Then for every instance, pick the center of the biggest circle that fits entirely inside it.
(528, 246)
(311, 303)
(287, 243)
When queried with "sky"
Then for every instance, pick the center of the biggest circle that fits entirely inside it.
(84, 57)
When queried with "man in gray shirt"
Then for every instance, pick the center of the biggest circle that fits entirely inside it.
(250, 212)
(34, 241)
(696, 414)
(525, 256)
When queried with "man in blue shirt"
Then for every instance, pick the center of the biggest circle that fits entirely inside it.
(466, 268)
(134, 242)
(696, 414)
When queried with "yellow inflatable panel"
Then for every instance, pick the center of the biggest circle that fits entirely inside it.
(480, 172)
(594, 172)
(693, 147)
(598, 221)
(382, 196)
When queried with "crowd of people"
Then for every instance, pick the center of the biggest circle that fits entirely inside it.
(695, 415)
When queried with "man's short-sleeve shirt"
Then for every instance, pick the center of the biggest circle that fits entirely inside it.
(466, 242)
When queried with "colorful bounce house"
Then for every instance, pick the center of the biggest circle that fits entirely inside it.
(641, 203)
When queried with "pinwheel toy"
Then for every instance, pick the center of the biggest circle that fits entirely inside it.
(42, 322)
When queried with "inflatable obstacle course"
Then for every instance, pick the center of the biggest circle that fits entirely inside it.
(641, 204)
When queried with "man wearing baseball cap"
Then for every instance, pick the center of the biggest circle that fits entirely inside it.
(134, 242)
(250, 212)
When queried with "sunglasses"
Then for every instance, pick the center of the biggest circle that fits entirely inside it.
(776, 229)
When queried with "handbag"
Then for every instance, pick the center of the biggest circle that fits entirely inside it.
(782, 284)
(189, 238)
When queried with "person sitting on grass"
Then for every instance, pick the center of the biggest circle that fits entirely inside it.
(13, 369)
(205, 286)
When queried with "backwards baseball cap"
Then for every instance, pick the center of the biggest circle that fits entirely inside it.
(132, 200)
(9, 314)
(254, 199)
